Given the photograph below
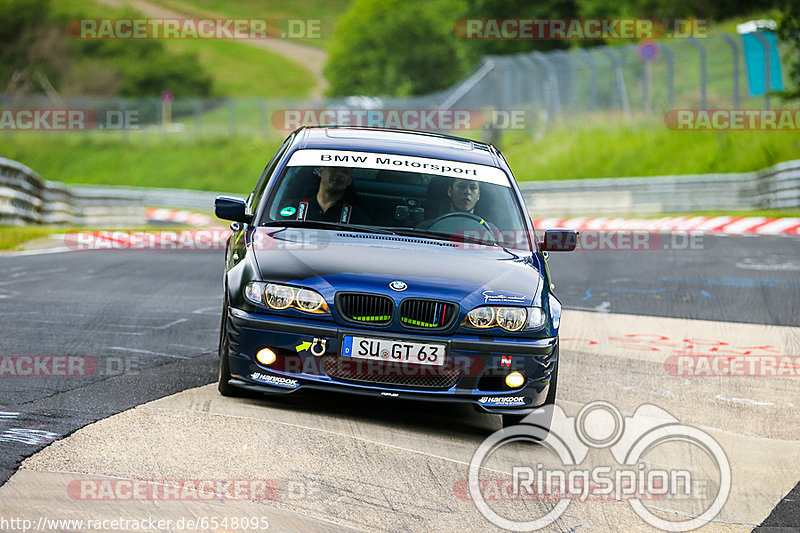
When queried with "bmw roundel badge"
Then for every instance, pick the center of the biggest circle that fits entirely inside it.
(398, 285)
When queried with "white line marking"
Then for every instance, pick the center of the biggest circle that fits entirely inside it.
(202, 310)
(58, 250)
(135, 350)
(742, 400)
(174, 322)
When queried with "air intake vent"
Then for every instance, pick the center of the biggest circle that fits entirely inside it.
(427, 314)
(396, 238)
(406, 376)
(362, 308)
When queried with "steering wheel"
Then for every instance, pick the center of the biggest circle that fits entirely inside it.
(461, 221)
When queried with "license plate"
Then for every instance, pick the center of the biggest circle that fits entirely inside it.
(393, 350)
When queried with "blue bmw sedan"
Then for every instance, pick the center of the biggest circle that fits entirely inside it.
(390, 263)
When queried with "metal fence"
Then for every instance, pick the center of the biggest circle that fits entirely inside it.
(777, 187)
(25, 198)
(568, 85)
(681, 73)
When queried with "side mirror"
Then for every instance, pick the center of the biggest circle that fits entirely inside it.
(231, 208)
(559, 240)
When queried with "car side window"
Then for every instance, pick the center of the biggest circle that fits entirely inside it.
(258, 192)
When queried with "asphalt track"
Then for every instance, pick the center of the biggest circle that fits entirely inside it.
(147, 323)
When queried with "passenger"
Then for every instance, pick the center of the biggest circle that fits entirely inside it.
(463, 195)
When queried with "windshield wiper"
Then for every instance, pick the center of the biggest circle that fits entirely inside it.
(321, 224)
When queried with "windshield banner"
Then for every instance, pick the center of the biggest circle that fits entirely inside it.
(424, 165)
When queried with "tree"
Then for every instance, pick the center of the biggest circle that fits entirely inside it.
(789, 32)
(396, 48)
(542, 9)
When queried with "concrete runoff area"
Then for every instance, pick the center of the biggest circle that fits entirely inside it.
(340, 462)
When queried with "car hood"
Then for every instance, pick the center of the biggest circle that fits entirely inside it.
(330, 261)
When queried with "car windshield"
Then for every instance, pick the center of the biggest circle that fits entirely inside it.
(405, 195)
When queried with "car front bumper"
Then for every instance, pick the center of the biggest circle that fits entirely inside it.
(309, 357)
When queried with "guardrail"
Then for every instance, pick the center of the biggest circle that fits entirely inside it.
(162, 197)
(775, 187)
(26, 198)
(772, 188)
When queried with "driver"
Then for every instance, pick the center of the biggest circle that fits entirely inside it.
(463, 194)
(335, 200)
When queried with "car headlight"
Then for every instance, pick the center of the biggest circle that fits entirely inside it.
(277, 296)
(481, 317)
(309, 300)
(254, 292)
(508, 318)
(555, 310)
(536, 318)
(511, 318)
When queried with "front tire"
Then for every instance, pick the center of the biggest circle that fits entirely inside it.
(224, 371)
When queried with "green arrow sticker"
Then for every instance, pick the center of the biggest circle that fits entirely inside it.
(303, 346)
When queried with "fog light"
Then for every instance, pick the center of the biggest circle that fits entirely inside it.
(265, 356)
(515, 380)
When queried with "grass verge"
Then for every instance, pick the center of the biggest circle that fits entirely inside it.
(11, 237)
(605, 149)
(233, 164)
(17, 237)
(230, 164)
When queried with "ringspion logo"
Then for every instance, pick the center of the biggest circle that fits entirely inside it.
(655, 457)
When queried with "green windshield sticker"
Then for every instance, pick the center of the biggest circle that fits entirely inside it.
(288, 211)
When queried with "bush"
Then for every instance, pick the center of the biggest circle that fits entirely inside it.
(147, 67)
(178, 73)
(395, 48)
(33, 39)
